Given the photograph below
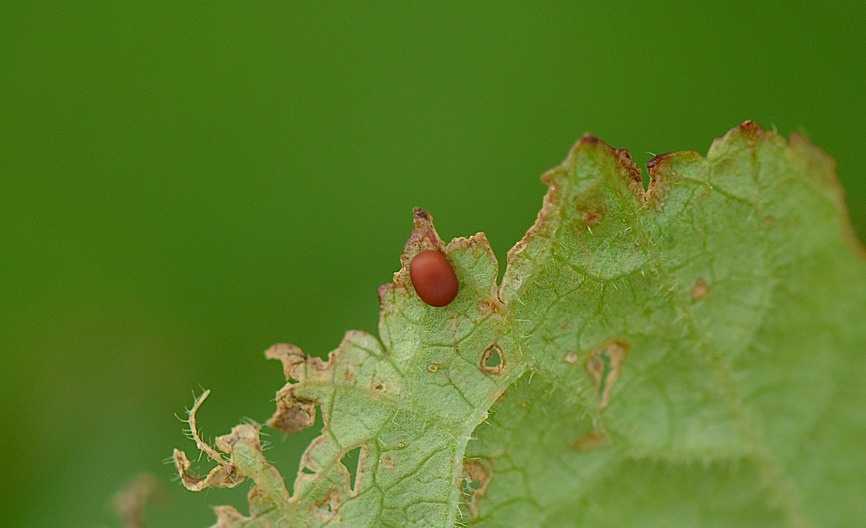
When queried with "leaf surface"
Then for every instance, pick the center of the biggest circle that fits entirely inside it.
(688, 355)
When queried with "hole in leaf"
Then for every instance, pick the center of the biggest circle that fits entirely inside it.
(493, 361)
(476, 477)
(700, 290)
(604, 364)
(351, 460)
(330, 503)
(589, 440)
(470, 486)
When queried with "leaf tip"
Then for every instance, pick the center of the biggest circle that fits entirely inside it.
(589, 139)
(628, 171)
(423, 237)
(289, 355)
(749, 127)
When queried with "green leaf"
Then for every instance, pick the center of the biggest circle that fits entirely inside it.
(688, 355)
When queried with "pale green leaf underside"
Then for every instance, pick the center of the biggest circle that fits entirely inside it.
(689, 355)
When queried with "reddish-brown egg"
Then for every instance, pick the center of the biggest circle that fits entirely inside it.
(433, 278)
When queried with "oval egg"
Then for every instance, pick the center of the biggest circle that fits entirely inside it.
(433, 278)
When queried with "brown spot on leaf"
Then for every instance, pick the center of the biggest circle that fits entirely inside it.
(591, 219)
(388, 462)
(658, 160)
(330, 503)
(630, 171)
(493, 361)
(750, 127)
(700, 290)
(591, 211)
(421, 215)
(661, 173)
(293, 414)
(604, 364)
(571, 357)
(657, 191)
(590, 440)
(489, 307)
(476, 477)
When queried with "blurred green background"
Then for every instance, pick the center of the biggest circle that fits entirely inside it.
(183, 184)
